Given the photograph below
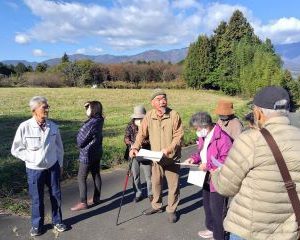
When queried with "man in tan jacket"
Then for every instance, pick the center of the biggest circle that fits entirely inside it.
(261, 208)
(164, 128)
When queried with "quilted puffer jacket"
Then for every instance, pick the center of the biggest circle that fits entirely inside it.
(260, 208)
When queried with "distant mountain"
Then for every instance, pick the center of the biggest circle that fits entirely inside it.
(172, 56)
(290, 54)
(15, 62)
(288, 51)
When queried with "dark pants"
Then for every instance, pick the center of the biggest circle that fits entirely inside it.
(36, 182)
(215, 206)
(83, 172)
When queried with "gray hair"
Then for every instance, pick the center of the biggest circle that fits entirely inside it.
(276, 112)
(201, 119)
(37, 101)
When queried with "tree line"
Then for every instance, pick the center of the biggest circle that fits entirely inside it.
(88, 73)
(233, 59)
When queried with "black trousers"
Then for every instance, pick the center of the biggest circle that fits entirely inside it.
(83, 172)
(215, 208)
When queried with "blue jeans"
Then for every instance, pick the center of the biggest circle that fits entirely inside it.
(235, 237)
(37, 179)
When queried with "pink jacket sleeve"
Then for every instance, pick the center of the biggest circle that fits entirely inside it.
(223, 147)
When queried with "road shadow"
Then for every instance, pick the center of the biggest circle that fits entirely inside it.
(102, 208)
(114, 201)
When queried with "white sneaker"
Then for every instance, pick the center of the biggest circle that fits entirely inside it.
(205, 234)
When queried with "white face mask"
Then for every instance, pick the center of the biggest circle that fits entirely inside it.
(88, 111)
(202, 133)
(137, 122)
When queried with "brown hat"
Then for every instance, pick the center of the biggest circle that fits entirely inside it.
(224, 108)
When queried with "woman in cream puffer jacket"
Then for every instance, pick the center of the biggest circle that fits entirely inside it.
(260, 208)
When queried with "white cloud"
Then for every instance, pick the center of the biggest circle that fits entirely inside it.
(22, 38)
(90, 50)
(97, 50)
(130, 24)
(38, 53)
(185, 4)
(127, 24)
(283, 30)
(80, 51)
(216, 12)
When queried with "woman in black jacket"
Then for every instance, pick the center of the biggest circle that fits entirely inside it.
(89, 142)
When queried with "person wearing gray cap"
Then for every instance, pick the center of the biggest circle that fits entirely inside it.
(261, 207)
(164, 128)
(38, 143)
(129, 138)
(213, 147)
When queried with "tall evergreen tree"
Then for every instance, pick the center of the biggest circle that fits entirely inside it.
(199, 63)
(65, 58)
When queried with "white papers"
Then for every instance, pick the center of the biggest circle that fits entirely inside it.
(144, 154)
(196, 177)
(188, 164)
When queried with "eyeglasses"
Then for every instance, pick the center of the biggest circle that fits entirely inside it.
(45, 107)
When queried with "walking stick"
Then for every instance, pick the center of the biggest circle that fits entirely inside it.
(124, 188)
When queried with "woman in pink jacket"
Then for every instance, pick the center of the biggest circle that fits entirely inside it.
(213, 147)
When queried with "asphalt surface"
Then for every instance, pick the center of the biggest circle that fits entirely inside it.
(99, 222)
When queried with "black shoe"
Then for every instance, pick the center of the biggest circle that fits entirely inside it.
(35, 232)
(152, 211)
(138, 199)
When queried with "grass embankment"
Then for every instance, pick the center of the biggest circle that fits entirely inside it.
(67, 110)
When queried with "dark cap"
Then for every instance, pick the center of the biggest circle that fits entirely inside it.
(268, 96)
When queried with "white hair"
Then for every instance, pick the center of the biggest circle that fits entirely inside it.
(37, 101)
(281, 111)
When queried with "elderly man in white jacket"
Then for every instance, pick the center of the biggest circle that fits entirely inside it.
(38, 143)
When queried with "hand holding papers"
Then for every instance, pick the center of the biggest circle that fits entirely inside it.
(144, 154)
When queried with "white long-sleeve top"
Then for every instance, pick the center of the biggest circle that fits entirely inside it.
(37, 148)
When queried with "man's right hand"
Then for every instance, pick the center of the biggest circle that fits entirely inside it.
(133, 152)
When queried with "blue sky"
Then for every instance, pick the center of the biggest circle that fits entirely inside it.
(36, 30)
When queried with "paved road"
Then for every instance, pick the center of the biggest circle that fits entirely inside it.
(99, 223)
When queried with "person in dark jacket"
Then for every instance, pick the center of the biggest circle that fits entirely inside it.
(89, 142)
(129, 138)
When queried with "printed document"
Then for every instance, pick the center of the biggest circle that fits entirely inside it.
(196, 177)
(145, 154)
